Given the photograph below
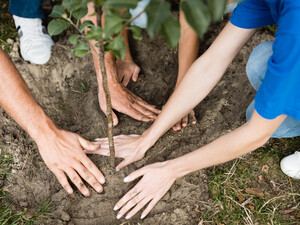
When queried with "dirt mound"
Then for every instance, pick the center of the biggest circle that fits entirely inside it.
(66, 88)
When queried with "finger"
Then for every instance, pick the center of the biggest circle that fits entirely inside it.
(131, 203)
(135, 74)
(88, 145)
(135, 114)
(144, 110)
(114, 116)
(184, 121)
(123, 164)
(88, 177)
(135, 174)
(92, 168)
(115, 119)
(147, 106)
(103, 152)
(129, 195)
(149, 207)
(61, 177)
(126, 80)
(177, 126)
(194, 120)
(137, 208)
(74, 177)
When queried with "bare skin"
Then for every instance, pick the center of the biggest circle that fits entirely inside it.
(200, 79)
(61, 150)
(119, 73)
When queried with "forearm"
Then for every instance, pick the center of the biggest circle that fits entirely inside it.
(187, 49)
(17, 101)
(200, 79)
(245, 139)
(109, 57)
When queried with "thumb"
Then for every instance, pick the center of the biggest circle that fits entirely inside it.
(135, 74)
(135, 174)
(89, 146)
(115, 119)
(123, 164)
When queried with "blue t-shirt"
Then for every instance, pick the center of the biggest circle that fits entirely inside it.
(280, 91)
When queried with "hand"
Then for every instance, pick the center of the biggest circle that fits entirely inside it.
(157, 180)
(184, 121)
(126, 102)
(127, 69)
(63, 154)
(129, 147)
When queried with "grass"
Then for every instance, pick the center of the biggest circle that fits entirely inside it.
(253, 190)
(8, 213)
(7, 29)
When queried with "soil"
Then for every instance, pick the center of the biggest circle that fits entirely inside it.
(66, 88)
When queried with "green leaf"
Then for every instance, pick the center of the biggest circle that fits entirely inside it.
(197, 14)
(79, 13)
(73, 39)
(57, 11)
(121, 4)
(113, 24)
(157, 11)
(170, 30)
(136, 32)
(81, 49)
(80, 53)
(117, 46)
(73, 5)
(57, 26)
(217, 8)
(95, 33)
(86, 23)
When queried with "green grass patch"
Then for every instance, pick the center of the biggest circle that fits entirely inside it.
(7, 28)
(253, 190)
(9, 214)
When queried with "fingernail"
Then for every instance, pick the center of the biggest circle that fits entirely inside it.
(69, 190)
(116, 208)
(127, 217)
(126, 179)
(99, 189)
(97, 139)
(117, 169)
(119, 216)
(102, 180)
(142, 216)
(86, 192)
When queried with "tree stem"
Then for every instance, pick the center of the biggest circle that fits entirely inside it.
(108, 103)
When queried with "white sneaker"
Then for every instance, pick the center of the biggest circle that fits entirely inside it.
(35, 42)
(290, 165)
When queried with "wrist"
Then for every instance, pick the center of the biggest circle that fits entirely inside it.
(44, 130)
(177, 167)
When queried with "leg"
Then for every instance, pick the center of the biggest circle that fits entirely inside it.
(26, 8)
(256, 69)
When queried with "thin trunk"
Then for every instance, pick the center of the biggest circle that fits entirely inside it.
(108, 104)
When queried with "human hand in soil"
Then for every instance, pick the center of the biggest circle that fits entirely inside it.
(184, 121)
(157, 180)
(127, 69)
(128, 103)
(129, 147)
(63, 155)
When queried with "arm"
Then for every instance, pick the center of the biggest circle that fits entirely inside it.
(187, 54)
(200, 79)
(61, 150)
(159, 177)
(119, 73)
